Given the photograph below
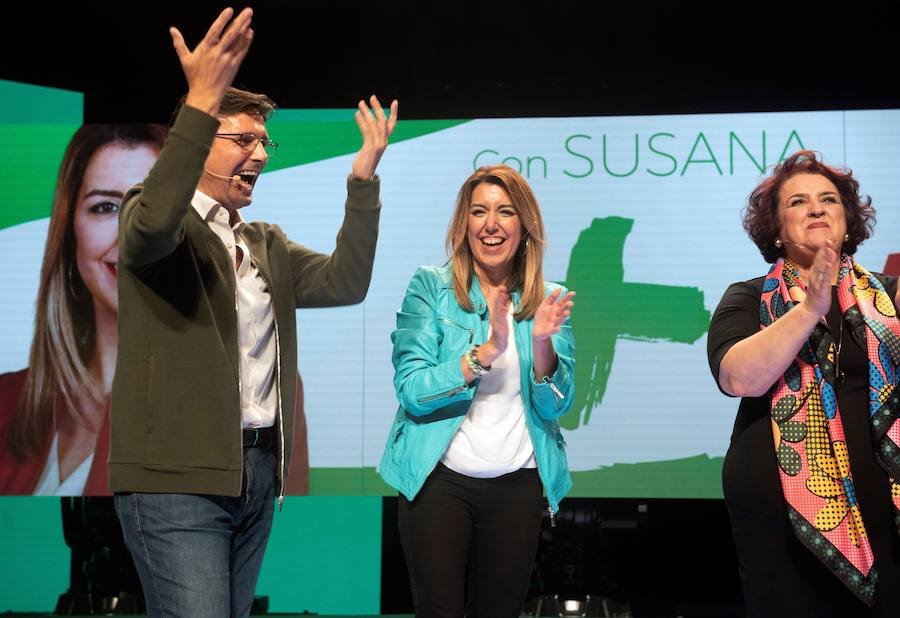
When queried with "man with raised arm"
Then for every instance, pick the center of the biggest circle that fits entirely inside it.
(203, 398)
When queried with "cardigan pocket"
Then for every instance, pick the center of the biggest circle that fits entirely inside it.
(398, 446)
(151, 380)
(151, 416)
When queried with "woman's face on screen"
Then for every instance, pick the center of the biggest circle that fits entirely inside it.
(112, 171)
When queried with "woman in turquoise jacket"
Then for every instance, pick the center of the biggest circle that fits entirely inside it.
(484, 367)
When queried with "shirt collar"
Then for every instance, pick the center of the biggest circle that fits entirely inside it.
(207, 208)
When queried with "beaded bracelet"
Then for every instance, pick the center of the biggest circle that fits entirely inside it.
(471, 358)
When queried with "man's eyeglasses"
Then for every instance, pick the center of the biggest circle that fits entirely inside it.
(248, 141)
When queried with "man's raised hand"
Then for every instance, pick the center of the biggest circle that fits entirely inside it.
(211, 66)
(376, 127)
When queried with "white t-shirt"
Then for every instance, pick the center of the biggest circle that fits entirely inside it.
(493, 439)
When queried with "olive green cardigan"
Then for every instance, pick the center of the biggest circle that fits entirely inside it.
(176, 414)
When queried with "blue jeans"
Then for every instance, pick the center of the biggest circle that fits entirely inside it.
(199, 556)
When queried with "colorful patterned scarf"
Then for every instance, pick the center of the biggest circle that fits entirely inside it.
(813, 462)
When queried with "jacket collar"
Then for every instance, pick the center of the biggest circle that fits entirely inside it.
(475, 294)
(478, 300)
(206, 208)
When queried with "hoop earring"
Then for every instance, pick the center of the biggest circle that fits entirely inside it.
(71, 278)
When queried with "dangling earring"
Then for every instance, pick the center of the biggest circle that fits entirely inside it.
(71, 278)
(778, 243)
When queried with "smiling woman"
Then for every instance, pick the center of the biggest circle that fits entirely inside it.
(813, 349)
(483, 359)
(54, 415)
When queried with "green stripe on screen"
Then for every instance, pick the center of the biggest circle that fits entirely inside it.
(29, 104)
(699, 476)
(310, 141)
(288, 116)
(34, 152)
(38, 124)
(692, 477)
(348, 482)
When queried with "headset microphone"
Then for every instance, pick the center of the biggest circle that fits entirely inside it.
(234, 178)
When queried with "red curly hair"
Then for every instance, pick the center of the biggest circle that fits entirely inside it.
(761, 214)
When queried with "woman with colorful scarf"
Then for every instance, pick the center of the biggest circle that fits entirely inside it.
(811, 477)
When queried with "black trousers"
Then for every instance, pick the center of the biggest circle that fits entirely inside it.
(470, 543)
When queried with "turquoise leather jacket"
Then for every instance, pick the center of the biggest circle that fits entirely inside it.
(433, 332)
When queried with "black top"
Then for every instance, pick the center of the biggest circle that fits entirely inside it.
(751, 482)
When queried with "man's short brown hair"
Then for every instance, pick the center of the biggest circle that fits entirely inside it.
(236, 101)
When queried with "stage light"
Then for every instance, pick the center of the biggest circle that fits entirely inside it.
(588, 606)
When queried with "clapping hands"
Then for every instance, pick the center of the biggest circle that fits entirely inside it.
(551, 314)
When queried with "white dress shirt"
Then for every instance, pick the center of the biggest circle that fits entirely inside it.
(255, 317)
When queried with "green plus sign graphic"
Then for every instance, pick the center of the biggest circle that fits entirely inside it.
(609, 308)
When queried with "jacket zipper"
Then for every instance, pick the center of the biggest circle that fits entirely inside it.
(280, 410)
(277, 384)
(449, 393)
(557, 394)
(452, 323)
(237, 332)
(528, 419)
(457, 389)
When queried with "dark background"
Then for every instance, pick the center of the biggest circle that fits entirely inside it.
(469, 59)
(492, 59)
